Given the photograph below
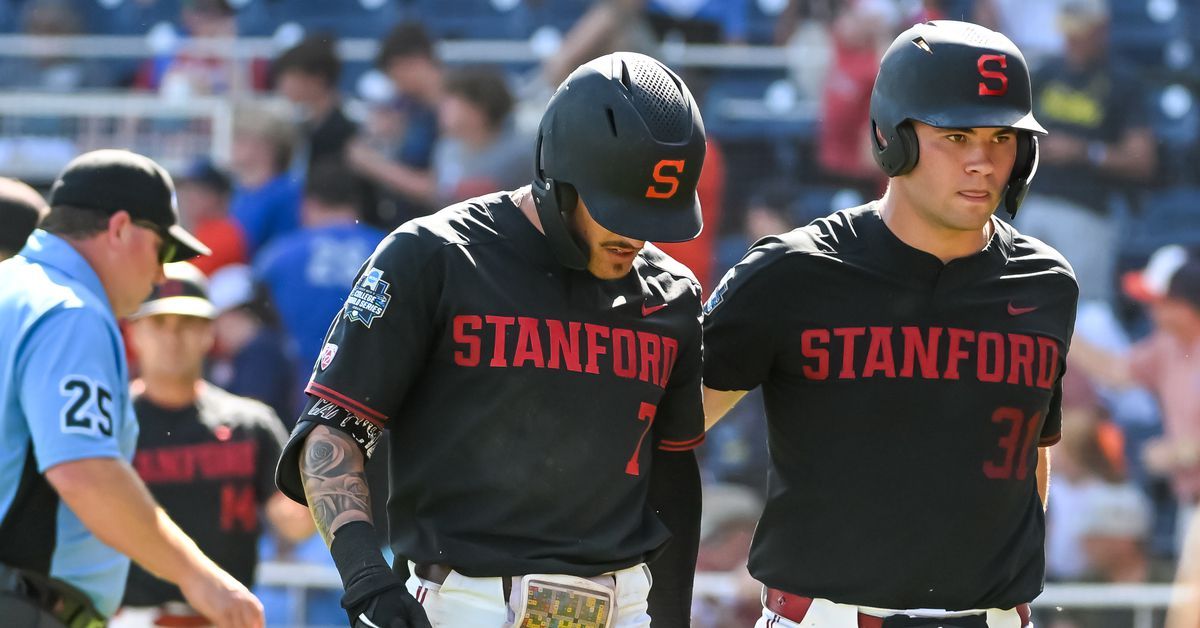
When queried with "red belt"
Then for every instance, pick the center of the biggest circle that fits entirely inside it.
(794, 607)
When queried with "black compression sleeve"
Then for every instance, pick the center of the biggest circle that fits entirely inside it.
(360, 563)
(675, 496)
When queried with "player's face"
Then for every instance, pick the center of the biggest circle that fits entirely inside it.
(610, 256)
(171, 345)
(960, 175)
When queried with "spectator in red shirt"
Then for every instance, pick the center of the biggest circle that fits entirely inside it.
(203, 193)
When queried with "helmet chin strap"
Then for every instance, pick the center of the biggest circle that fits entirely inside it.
(554, 223)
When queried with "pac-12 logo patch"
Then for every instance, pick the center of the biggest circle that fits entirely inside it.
(327, 353)
(369, 298)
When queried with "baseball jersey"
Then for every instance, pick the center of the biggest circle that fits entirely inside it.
(521, 398)
(211, 466)
(63, 397)
(905, 402)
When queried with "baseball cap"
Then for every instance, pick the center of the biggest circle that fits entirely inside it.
(231, 286)
(111, 180)
(184, 292)
(1172, 271)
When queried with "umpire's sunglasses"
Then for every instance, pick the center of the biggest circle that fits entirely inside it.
(166, 250)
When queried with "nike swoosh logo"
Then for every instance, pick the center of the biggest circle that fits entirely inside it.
(1017, 311)
(363, 618)
(647, 311)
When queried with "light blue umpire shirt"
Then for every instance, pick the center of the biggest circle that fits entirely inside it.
(64, 396)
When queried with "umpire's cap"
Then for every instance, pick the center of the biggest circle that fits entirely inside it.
(110, 180)
(623, 132)
(952, 74)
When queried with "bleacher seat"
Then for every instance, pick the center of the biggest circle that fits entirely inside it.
(475, 19)
(1175, 118)
(1143, 30)
(741, 104)
(344, 18)
(1168, 216)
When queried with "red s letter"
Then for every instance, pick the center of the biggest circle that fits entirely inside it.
(469, 354)
(984, 89)
(672, 182)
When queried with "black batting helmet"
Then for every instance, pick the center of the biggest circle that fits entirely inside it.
(953, 75)
(624, 134)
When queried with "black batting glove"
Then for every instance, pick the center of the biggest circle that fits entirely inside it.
(390, 608)
(375, 595)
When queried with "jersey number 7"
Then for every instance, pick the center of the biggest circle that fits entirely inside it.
(645, 413)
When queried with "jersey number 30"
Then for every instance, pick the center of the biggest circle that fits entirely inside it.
(78, 416)
(1014, 444)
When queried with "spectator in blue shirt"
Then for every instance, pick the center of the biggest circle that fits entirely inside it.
(266, 197)
(306, 272)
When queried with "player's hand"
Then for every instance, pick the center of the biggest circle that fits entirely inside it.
(390, 608)
(223, 600)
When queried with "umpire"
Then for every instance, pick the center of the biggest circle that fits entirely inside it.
(72, 510)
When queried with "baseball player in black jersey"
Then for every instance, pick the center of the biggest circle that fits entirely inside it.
(537, 366)
(910, 352)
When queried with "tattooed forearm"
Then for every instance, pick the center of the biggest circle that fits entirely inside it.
(334, 482)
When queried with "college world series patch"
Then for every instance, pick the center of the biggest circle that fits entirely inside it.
(369, 298)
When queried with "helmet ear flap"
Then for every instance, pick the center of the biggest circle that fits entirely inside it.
(1024, 168)
(900, 155)
(553, 199)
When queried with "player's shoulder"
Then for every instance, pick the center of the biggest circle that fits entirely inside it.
(467, 223)
(34, 293)
(831, 236)
(235, 410)
(666, 269)
(781, 257)
(1028, 254)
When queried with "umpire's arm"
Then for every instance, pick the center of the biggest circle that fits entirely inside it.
(112, 502)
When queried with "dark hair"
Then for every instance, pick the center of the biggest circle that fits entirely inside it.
(406, 39)
(21, 209)
(332, 183)
(75, 223)
(316, 56)
(205, 173)
(484, 88)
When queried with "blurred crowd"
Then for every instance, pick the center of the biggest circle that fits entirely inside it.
(321, 169)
